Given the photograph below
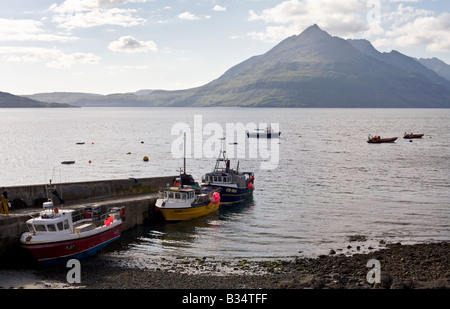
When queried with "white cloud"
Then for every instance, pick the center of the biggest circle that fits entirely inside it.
(410, 26)
(70, 6)
(91, 13)
(52, 57)
(291, 17)
(188, 16)
(118, 17)
(27, 30)
(219, 8)
(129, 44)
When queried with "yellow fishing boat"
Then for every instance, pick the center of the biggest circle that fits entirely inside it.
(185, 199)
(185, 203)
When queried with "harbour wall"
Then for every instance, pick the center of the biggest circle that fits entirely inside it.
(137, 195)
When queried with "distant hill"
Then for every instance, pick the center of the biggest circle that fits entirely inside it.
(312, 69)
(64, 97)
(439, 66)
(11, 101)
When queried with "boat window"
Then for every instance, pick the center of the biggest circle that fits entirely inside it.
(66, 224)
(30, 227)
(215, 178)
(60, 226)
(177, 196)
(40, 228)
(51, 227)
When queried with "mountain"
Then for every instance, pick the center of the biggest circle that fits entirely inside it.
(401, 61)
(64, 97)
(10, 100)
(439, 66)
(312, 69)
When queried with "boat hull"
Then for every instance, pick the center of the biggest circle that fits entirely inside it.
(413, 136)
(187, 213)
(230, 196)
(80, 247)
(383, 140)
(264, 135)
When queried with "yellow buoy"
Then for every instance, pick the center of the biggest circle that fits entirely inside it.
(145, 158)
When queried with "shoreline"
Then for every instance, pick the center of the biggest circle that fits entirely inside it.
(417, 266)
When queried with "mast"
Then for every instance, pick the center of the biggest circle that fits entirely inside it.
(184, 160)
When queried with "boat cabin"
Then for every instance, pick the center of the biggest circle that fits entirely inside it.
(214, 178)
(53, 220)
(176, 194)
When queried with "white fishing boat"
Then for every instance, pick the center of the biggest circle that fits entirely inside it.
(60, 234)
(264, 133)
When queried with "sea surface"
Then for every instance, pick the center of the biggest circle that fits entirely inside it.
(316, 186)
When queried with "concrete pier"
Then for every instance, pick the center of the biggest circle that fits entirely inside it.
(137, 195)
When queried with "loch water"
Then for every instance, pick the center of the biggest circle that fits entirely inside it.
(324, 185)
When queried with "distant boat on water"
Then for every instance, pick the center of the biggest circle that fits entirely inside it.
(411, 135)
(267, 133)
(377, 139)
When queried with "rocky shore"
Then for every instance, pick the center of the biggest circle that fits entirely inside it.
(419, 266)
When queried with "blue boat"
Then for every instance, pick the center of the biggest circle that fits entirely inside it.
(233, 186)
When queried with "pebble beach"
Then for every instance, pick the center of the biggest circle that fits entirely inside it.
(418, 266)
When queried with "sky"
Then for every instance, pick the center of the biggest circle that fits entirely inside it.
(118, 46)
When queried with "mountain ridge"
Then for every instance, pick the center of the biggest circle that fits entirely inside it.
(8, 100)
(311, 69)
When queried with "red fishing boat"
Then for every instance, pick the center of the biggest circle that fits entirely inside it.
(61, 234)
(377, 139)
(411, 135)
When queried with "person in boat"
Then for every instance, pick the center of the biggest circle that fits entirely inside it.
(177, 182)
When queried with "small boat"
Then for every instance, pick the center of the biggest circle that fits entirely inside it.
(68, 162)
(185, 199)
(267, 133)
(377, 139)
(181, 203)
(411, 135)
(233, 186)
(80, 143)
(57, 235)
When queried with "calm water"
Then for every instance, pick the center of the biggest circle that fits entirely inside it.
(329, 184)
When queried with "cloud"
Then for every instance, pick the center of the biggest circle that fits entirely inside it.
(70, 6)
(219, 8)
(52, 57)
(416, 27)
(118, 17)
(91, 13)
(291, 17)
(27, 30)
(129, 44)
(188, 16)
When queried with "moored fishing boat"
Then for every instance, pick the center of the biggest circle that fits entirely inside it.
(185, 199)
(377, 139)
(233, 186)
(60, 234)
(185, 203)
